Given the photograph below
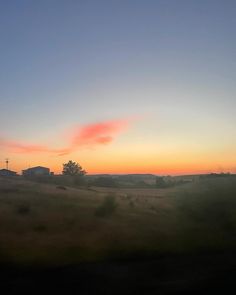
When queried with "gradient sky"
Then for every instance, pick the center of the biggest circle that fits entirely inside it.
(125, 86)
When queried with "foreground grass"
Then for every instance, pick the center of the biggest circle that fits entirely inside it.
(47, 225)
(207, 214)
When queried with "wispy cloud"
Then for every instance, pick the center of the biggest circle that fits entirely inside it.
(80, 136)
(27, 148)
(98, 133)
(18, 147)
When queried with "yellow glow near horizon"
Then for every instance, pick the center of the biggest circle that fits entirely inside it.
(136, 159)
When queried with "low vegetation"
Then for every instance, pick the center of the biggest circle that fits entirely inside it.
(207, 213)
(48, 224)
(107, 207)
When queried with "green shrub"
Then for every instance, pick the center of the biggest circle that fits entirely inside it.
(107, 207)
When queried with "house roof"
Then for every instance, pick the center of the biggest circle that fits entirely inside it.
(7, 170)
(37, 167)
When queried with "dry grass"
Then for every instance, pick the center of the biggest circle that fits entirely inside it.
(42, 224)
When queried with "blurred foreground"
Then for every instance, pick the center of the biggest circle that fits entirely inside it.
(118, 240)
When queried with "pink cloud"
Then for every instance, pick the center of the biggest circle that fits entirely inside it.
(89, 135)
(18, 147)
(98, 133)
(27, 148)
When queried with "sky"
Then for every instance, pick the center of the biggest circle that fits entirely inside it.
(119, 86)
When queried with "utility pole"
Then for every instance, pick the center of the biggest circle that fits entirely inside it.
(7, 162)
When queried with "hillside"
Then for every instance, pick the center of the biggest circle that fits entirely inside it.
(117, 241)
(48, 224)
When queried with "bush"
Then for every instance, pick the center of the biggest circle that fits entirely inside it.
(23, 209)
(107, 207)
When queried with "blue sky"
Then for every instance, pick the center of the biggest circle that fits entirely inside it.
(74, 62)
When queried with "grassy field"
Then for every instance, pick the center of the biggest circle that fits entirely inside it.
(53, 225)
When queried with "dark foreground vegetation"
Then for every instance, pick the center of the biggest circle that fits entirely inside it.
(201, 273)
(178, 240)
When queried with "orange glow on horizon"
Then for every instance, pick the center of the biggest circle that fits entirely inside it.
(126, 156)
(137, 168)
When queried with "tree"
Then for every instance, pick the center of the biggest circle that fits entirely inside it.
(73, 169)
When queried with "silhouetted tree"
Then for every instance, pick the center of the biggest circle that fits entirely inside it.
(73, 169)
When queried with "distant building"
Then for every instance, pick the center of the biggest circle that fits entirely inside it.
(6, 172)
(36, 171)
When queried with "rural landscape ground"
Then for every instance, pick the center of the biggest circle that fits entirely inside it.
(118, 240)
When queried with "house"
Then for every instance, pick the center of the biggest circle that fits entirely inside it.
(36, 171)
(6, 172)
